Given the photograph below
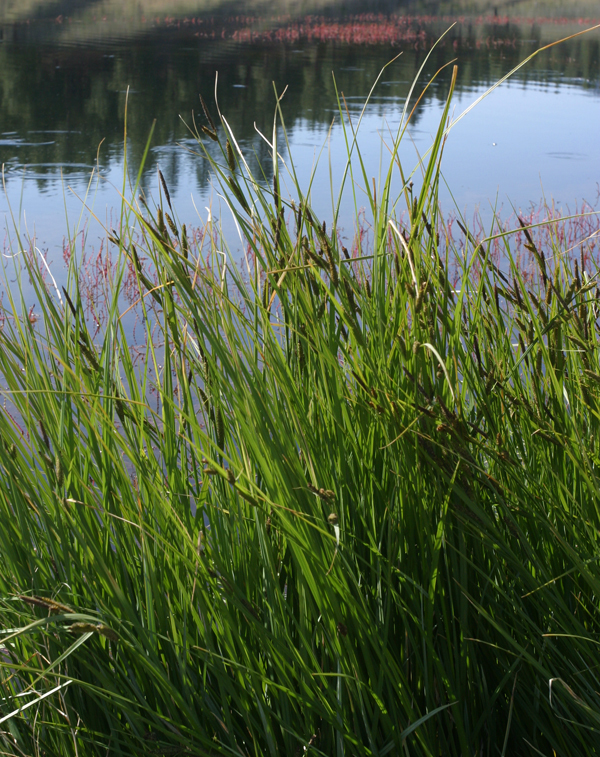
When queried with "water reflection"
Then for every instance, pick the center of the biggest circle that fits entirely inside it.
(77, 95)
(65, 69)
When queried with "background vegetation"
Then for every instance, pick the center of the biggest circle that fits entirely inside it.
(29, 9)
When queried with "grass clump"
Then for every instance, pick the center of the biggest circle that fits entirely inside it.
(362, 519)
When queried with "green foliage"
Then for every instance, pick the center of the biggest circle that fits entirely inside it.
(362, 521)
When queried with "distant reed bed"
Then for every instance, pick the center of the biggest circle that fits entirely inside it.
(419, 30)
(362, 516)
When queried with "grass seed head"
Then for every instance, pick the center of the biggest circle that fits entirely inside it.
(44, 435)
(301, 356)
(577, 278)
(538, 362)
(220, 429)
(185, 247)
(46, 603)
(238, 194)
(570, 291)
(81, 628)
(207, 114)
(350, 296)
(172, 225)
(420, 296)
(58, 471)
(165, 188)
(277, 232)
(107, 632)
(517, 291)
(160, 222)
(540, 308)
(230, 157)
(209, 133)
(328, 253)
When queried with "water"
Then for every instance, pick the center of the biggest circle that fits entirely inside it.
(66, 69)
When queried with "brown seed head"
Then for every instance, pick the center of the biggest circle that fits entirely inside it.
(165, 189)
(107, 632)
(230, 157)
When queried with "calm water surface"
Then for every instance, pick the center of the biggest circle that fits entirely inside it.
(65, 69)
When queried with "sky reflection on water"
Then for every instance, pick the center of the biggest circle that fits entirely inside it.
(63, 94)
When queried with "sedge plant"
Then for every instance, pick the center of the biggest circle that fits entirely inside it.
(361, 519)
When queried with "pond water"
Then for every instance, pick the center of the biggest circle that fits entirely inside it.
(66, 69)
